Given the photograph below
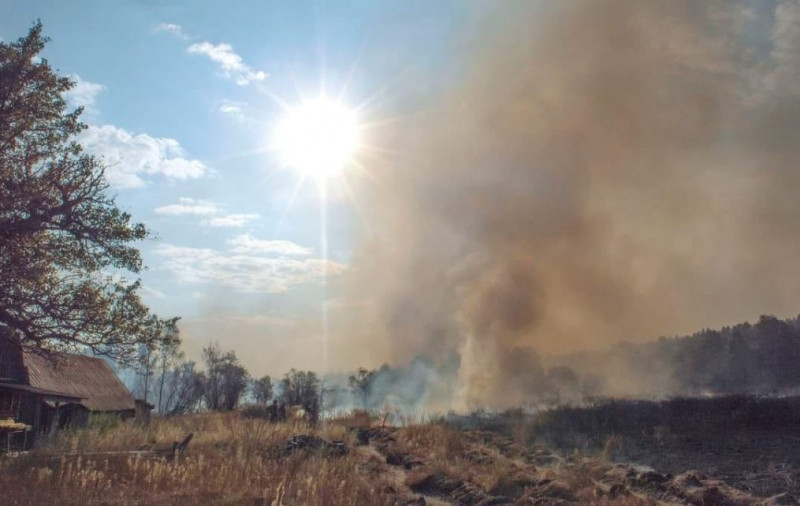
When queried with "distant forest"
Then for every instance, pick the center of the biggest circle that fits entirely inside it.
(757, 359)
(754, 359)
(761, 358)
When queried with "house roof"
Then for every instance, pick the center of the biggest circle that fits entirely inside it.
(89, 378)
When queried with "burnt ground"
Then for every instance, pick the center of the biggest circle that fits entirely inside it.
(483, 467)
(750, 443)
(758, 461)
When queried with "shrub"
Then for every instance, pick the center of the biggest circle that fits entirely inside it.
(257, 411)
(103, 422)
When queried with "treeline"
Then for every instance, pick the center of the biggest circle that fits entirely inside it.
(174, 385)
(760, 358)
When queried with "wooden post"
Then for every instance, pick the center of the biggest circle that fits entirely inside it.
(54, 420)
(37, 414)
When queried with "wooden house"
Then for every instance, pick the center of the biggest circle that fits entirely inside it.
(47, 393)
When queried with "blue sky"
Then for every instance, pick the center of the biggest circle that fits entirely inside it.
(180, 99)
(613, 170)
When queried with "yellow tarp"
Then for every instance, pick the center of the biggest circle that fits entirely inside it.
(10, 424)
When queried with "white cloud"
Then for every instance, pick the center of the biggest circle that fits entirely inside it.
(189, 206)
(246, 244)
(84, 94)
(232, 108)
(231, 220)
(172, 28)
(131, 157)
(152, 293)
(255, 272)
(210, 210)
(231, 63)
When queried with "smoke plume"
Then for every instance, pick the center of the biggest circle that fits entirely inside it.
(591, 172)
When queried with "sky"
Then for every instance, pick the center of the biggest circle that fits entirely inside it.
(535, 177)
(182, 99)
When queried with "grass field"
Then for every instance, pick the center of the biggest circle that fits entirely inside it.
(230, 460)
(234, 459)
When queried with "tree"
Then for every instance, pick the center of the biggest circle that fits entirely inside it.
(225, 379)
(161, 342)
(63, 239)
(361, 385)
(169, 356)
(184, 389)
(144, 367)
(262, 389)
(302, 388)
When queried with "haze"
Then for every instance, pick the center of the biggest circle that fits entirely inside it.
(536, 177)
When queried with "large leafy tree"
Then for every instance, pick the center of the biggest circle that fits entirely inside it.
(225, 379)
(66, 248)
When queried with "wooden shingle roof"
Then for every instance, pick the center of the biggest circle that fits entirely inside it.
(89, 378)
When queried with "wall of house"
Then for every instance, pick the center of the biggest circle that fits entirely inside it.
(12, 369)
(72, 415)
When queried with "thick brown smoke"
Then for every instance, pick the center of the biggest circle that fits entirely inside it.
(596, 171)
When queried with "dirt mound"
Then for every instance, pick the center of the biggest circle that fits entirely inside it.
(439, 484)
(380, 437)
(402, 459)
(314, 443)
(784, 499)
(690, 487)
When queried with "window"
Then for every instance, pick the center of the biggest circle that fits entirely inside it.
(9, 404)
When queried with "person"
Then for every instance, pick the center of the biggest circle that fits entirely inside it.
(281, 412)
(272, 411)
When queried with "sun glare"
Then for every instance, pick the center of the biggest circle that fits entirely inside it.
(318, 138)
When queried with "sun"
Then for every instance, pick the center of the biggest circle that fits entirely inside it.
(319, 138)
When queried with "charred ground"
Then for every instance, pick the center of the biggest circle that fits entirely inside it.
(751, 443)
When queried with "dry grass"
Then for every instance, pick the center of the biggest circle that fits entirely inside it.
(433, 441)
(499, 467)
(238, 460)
(355, 418)
(613, 443)
(231, 460)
